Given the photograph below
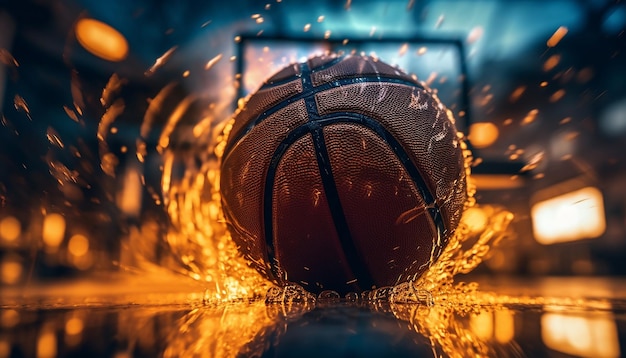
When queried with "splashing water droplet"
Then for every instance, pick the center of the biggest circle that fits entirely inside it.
(352, 297)
(288, 294)
(407, 293)
(328, 296)
(381, 294)
(112, 89)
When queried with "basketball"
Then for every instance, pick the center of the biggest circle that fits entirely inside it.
(342, 173)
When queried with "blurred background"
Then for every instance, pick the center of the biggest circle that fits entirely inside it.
(90, 89)
(109, 109)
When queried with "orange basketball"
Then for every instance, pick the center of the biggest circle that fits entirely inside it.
(342, 173)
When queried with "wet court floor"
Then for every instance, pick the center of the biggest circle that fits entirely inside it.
(550, 317)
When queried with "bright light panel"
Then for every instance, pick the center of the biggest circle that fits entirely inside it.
(593, 335)
(569, 217)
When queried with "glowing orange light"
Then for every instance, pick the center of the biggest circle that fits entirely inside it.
(47, 344)
(8, 319)
(483, 134)
(530, 117)
(10, 228)
(74, 326)
(557, 36)
(78, 245)
(592, 335)
(517, 93)
(572, 216)
(551, 62)
(5, 348)
(101, 40)
(10, 270)
(556, 96)
(505, 326)
(496, 182)
(129, 198)
(475, 218)
(53, 230)
(482, 325)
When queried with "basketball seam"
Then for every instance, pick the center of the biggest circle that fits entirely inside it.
(400, 153)
(307, 92)
(285, 80)
(371, 124)
(356, 266)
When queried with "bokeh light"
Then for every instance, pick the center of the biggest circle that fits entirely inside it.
(572, 216)
(10, 228)
(53, 230)
(78, 245)
(483, 134)
(101, 39)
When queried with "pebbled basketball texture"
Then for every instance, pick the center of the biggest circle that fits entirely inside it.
(342, 173)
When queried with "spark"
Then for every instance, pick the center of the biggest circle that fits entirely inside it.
(551, 62)
(475, 34)
(517, 93)
(320, 18)
(213, 61)
(530, 117)
(8, 59)
(70, 113)
(557, 36)
(160, 61)
(53, 138)
(556, 96)
(307, 27)
(403, 49)
(439, 21)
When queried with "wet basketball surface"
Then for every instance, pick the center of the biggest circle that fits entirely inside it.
(587, 318)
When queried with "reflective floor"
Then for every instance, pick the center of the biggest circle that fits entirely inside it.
(539, 318)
